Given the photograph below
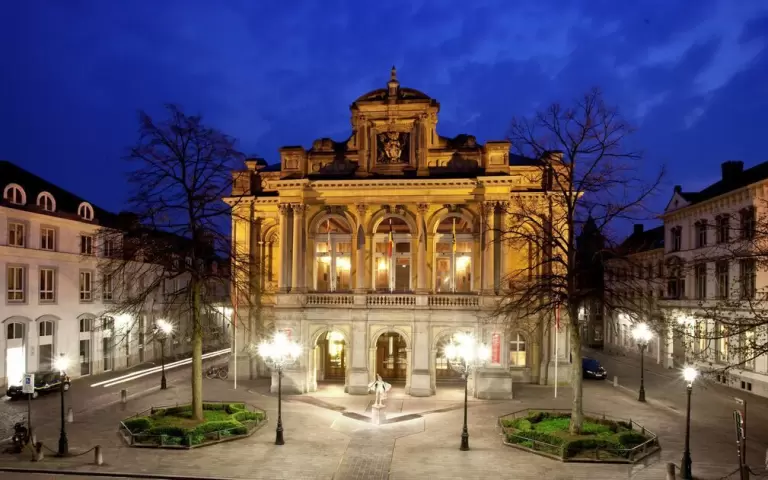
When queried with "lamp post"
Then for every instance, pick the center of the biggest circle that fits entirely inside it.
(163, 328)
(642, 335)
(61, 364)
(689, 374)
(465, 355)
(278, 354)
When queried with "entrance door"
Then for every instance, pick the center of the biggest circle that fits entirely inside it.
(85, 357)
(335, 363)
(391, 357)
(14, 364)
(443, 370)
(46, 358)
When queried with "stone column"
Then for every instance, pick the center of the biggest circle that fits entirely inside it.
(359, 239)
(298, 275)
(359, 376)
(421, 379)
(488, 246)
(283, 281)
(500, 254)
(421, 257)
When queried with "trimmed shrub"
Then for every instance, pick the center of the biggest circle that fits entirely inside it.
(627, 425)
(215, 406)
(235, 407)
(575, 447)
(169, 431)
(243, 416)
(175, 410)
(217, 426)
(138, 424)
(631, 439)
(612, 425)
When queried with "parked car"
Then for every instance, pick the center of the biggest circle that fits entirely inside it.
(44, 382)
(593, 369)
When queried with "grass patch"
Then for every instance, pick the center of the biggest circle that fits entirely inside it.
(175, 425)
(600, 439)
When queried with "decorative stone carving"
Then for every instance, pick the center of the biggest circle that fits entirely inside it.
(422, 208)
(393, 147)
(283, 208)
(361, 209)
(335, 209)
(299, 208)
(488, 208)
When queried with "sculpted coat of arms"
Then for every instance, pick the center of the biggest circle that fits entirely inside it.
(393, 147)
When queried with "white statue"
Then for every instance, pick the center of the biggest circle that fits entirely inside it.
(380, 388)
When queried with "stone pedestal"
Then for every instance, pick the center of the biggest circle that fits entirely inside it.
(378, 414)
(358, 381)
(294, 381)
(421, 384)
(493, 384)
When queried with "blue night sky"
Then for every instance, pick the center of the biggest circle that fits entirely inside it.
(691, 75)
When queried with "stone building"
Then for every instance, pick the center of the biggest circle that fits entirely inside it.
(374, 251)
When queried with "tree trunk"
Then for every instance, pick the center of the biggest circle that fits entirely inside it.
(577, 408)
(197, 354)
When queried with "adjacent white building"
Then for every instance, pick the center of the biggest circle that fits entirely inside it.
(54, 297)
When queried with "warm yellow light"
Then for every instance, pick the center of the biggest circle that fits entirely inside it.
(335, 336)
(383, 264)
(326, 260)
(642, 333)
(690, 374)
(165, 326)
(61, 364)
(343, 263)
(462, 263)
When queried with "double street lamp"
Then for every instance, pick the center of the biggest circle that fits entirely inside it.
(163, 328)
(281, 352)
(465, 355)
(61, 365)
(642, 335)
(689, 374)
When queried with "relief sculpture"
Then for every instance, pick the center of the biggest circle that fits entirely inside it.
(393, 147)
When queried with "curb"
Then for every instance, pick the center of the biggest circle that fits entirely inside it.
(79, 473)
(651, 401)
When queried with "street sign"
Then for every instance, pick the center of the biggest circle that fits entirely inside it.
(28, 385)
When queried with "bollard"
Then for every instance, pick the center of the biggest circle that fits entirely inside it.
(615, 381)
(671, 471)
(33, 437)
(70, 416)
(38, 452)
(124, 396)
(98, 458)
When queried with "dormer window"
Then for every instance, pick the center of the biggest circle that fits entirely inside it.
(85, 211)
(677, 239)
(701, 233)
(14, 194)
(46, 202)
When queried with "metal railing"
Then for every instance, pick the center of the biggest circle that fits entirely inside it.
(561, 450)
(191, 439)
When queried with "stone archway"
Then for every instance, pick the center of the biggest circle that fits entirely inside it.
(328, 357)
(440, 371)
(394, 367)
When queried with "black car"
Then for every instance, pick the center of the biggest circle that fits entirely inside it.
(44, 382)
(592, 369)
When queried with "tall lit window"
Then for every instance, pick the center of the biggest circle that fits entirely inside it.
(517, 351)
(16, 277)
(333, 256)
(48, 238)
(721, 344)
(47, 284)
(392, 256)
(748, 350)
(16, 237)
(86, 286)
(453, 256)
(700, 340)
(106, 288)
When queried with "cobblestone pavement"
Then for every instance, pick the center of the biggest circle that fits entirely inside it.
(323, 443)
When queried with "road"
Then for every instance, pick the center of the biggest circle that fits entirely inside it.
(82, 396)
(712, 404)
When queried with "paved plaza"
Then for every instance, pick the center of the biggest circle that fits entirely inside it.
(325, 440)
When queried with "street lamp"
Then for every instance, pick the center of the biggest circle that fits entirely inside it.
(642, 335)
(61, 365)
(465, 355)
(163, 329)
(278, 354)
(689, 374)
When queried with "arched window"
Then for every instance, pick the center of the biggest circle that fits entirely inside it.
(517, 351)
(15, 331)
(453, 255)
(85, 211)
(14, 194)
(85, 325)
(46, 328)
(393, 255)
(46, 202)
(333, 255)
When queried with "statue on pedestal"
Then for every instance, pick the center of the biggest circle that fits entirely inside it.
(380, 388)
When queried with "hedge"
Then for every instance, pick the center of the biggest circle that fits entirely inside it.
(138, 424)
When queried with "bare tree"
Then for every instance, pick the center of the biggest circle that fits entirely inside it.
(585, 169)
(726, 329)
(172, 256)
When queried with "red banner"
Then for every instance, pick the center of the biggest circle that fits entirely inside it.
(496, 349)
(287, 332)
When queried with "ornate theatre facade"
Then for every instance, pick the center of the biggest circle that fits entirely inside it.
(372, 252)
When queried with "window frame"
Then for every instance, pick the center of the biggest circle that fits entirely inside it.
(14, 226)
(52, 290)
(86, 295)
(23, 288)
(86, 244)
(14, 188)
(517, 339)
(46, 202)
(54, 238)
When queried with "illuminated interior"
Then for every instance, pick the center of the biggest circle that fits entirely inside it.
(15, 365)
(333, 253)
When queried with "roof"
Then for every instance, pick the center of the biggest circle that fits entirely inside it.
(66, 201)
(735, 181)
(403, 93)
(643, 241)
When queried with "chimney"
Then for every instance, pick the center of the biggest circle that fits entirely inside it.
(731, 169)
(678, 188)
(638, 229)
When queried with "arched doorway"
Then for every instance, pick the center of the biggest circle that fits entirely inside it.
(443, 371)
(331, 357)
(392, 357)
(15, 349)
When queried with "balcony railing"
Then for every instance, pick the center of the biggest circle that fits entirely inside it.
(330, 299)
(454, 301)
(457, 301)
(390, 300)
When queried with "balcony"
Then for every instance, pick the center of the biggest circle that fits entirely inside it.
(376, 300)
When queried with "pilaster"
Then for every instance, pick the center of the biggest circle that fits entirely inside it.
(488, 244)
(421, 255)
(298, 274)
(360, 249)
(283, 281)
